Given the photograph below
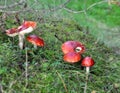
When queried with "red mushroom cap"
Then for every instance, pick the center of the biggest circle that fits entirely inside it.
(30, 24)
(27, 27)
(35, 40)
(73, 46)
(12, 32)
(27, 24)
(87, 62)
(72, 57)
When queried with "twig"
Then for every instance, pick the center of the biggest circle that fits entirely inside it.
(62, 81)
(1, 89)
(14, 12)
(60, 6)
(85, 88)
(83, 11)
(96, 4)
(12, 5)
(73, 11)
(56, 36)
(30, 9)
(26, 74)
(26, 68)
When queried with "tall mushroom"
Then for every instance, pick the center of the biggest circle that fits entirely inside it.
(35, 40)
(72, 57)
(26, 27)
(73, 46)
(87, 62)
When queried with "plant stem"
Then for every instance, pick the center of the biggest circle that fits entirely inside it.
(62, 82)
(1, 89)
(86, 79)
(26, 68)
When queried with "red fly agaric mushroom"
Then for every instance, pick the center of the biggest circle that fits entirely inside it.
(72, 57)
(73, 46)
(26, 27)
(35, 40)
(87, 62)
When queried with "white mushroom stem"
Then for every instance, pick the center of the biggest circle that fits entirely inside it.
(78, 49)
(35, 46)
(21, 39)
(87, 70)
(21, 36)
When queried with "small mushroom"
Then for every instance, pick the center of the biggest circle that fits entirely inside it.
(87, 62)
(35, 40)
(26, 27)
(73, 46)
(72, 57)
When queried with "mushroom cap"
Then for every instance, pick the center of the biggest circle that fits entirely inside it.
(27, 27)
(30, 24)
(35, 40)
(72, 57)
(27, 24)
(87, 62)
(73, 46)
(12, 32)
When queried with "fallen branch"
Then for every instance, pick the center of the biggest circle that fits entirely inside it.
(62, 82)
